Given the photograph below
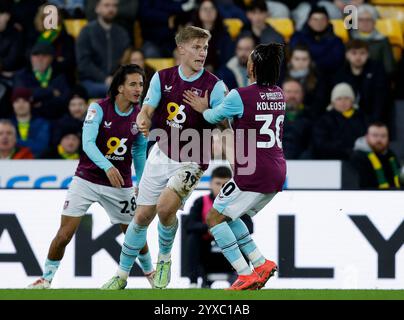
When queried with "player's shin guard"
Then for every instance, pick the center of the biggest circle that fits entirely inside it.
(135, 240)
(226, 240)
(246, 243)
(166, 239)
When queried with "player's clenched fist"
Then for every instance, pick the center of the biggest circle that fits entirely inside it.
(115, 177)
(143, 124)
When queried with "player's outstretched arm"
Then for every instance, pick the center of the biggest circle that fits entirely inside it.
(232, 106)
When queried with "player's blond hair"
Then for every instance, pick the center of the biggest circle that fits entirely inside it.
(189, 33)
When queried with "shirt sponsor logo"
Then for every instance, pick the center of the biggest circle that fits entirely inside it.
(176, 115)
(271, 95)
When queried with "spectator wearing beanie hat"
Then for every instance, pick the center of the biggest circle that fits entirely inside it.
(335, 132)
(32, 132)
(49, 89)
(326, 49)
(74, 119)
(68, 148)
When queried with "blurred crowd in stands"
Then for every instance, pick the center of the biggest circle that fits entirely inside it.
(338, 90)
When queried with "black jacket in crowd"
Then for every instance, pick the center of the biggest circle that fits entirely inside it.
(334, 135)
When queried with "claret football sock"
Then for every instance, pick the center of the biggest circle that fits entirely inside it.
(135, 240)
(166, 237)
(227, 242)
(246, 243)
(51, 266)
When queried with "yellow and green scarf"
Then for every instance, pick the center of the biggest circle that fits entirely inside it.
(66, 155)
(50, 35)
(380, 175)
(43, 78)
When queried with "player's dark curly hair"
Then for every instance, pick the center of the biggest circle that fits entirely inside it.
(267, 60)
(119, 78)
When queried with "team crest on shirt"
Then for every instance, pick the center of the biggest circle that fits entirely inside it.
(91, 113)
(133, 128)
(196, 91)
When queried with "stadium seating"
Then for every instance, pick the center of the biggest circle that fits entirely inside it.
(392, 12)
(234, 26)
(387, 2)
(160, 63)
(391, 29)
(74, 26)
(283, 25)
(340, 30)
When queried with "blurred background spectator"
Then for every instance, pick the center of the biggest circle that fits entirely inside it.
(377, 165)
(50, 89)
(99, 49)
(368, 80)
(156, 19)
(379, 46)
(32, 132)
(234, 72)
(335, 133)
(221, 46)
(63, 43)
(326, 49)
(297, 125)
(68, 148)
(126, 15)
(8, 143)
(302, 69)
(261, 31)
(74, 119)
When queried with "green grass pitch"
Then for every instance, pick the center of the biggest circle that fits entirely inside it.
(199, 294)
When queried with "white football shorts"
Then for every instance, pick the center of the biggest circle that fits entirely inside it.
(160, 172)
(233, 202)
(120, 204)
